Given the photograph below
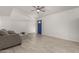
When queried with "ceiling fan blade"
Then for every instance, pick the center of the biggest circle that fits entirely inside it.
(34, 6)
(38, 6)
(42, 10)
(42, 7)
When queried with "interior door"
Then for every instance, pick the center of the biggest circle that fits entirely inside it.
(39, 23)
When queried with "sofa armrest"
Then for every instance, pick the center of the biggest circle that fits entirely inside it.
(9, 40)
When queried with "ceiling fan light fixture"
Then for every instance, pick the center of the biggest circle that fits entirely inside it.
(38, 10)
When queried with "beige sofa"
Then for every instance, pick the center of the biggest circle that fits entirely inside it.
(9, 40)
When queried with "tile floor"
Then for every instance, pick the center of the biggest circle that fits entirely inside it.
(32, 43)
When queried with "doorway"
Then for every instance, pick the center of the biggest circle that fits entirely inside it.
(39, 27)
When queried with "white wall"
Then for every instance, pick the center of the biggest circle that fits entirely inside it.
(63, 25)
(17, 24)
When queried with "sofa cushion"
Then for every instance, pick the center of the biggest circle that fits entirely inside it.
(11, 32)
(2, 33)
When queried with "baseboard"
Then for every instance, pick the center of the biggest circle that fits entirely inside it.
(60, 38)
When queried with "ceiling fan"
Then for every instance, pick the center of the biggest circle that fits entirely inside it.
(39, 8)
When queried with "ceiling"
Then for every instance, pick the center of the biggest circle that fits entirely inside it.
(27, 10)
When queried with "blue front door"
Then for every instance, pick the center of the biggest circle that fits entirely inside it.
(39, 23)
